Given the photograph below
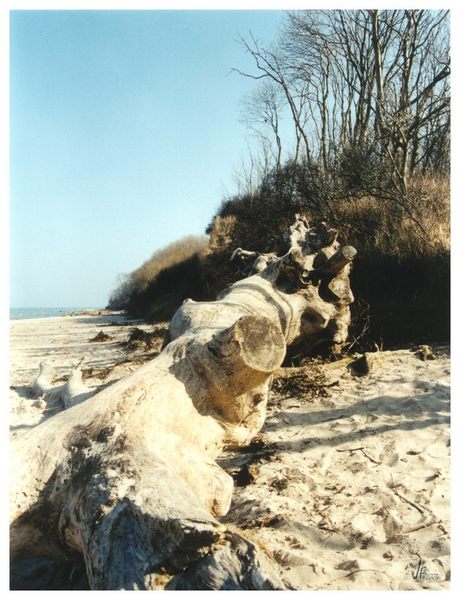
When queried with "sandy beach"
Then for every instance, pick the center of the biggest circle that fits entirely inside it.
(348, 484)
(62, 342)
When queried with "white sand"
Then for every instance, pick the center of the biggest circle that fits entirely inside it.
(348, 491)
(357, 488)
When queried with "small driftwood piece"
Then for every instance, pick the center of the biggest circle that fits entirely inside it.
(72, 392)
(127, 482)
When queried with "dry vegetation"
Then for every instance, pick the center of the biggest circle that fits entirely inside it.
(381, 227)
(168, 274)
(167, 257)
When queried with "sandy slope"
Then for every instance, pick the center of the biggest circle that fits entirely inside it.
(346, 489)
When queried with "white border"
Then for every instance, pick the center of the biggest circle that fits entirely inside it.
(4, 220)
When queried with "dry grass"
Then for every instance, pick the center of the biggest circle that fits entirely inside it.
(221, 233)
(379, 226)
(139, 281)
(167, 257)
(401, 277)
(433, 195)
(374, 224)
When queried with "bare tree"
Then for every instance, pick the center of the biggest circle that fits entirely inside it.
(360, 79)
(262, 115)
(270, 65)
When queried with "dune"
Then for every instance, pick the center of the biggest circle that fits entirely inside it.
(348, 484)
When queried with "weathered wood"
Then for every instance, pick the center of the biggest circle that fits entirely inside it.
(72, 392)
(337, 262)
(44, 380)
(127, 479)
(253, 262)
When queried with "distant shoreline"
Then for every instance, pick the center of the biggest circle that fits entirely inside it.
(19, 314)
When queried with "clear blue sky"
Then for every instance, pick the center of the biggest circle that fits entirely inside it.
(124, 137)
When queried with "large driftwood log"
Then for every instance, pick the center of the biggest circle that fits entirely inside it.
(127, 479)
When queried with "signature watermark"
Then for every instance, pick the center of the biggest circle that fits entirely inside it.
(421, 573)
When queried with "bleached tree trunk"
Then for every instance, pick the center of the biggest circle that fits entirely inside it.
(128, 478)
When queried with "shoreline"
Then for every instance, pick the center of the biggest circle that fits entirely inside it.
(62, 312)
(345, 487)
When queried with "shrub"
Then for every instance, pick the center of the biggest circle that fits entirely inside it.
(153, 277)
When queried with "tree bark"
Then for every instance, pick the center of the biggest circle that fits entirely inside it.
(127, 479)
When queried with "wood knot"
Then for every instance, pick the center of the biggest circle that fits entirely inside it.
(105, 433)
(258, 398)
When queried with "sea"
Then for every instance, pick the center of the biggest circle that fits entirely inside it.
(40, 313)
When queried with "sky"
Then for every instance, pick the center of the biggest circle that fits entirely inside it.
(124, 137)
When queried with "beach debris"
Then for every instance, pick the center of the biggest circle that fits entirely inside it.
(424, 352)
(435, 475)
(98, 372)
(306, 383)
(39, 403)
(243, 463)
(366, 363)
(247, 474)
(140, 340)
(75, 390)
(363, 451)
(72, 392)
(348, 565)
(279, 483)
(286, 558)
(101, 337)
